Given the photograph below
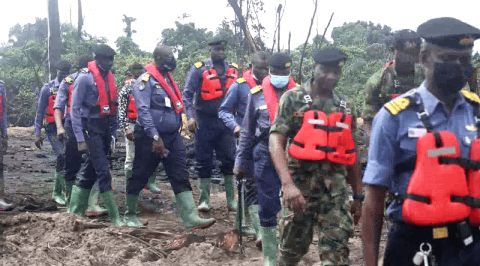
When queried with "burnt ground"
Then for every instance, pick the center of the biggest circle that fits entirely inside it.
(58, 238)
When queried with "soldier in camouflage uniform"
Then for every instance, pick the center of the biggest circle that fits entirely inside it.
(395, 78)
(316, 190)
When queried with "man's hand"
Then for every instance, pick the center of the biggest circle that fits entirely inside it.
(158, 147)
(356, 211)
(239, 173)
(61, 134)
(39, 142)
(129, 135)
(192, 125)
(294, 198)
(236, 131)
(83, 147)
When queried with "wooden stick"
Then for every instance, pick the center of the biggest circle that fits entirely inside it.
(306, 43)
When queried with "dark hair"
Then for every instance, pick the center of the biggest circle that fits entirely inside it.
(135, 67)
(260, 56)
(63, 65)
(83, 61)
(403, 36)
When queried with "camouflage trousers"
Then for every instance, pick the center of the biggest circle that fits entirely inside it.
(335, 227)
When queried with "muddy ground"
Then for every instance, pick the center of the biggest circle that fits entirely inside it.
(59, 238)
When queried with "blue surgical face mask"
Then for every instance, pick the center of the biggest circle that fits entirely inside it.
(279, 81)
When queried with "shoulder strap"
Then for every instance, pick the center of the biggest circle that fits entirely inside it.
(399, 104)
(241, 80)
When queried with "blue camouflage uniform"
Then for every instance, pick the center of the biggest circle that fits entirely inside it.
(95, 130)
(156, 116)
(50, 128)
(212, 133)
(255, 128)
(390, 153)
(232, 111)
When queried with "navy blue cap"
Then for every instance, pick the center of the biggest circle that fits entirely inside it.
(218, 45)
(103, 50)
(449, 33)
(331, 57)
(63, 66)
(281, 60)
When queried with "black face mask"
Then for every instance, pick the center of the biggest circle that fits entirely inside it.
(450, 78)
(218, 59)
(168, 65)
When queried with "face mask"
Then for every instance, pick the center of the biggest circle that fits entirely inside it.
(168, 65)
(104, 66)
(279, 81)
(451, 77)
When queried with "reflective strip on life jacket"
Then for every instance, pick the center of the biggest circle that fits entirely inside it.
(50, 112)
(105, 102)
(321, 137)
(132, 109)
(212, 87)
(434, 185)
(1, 104)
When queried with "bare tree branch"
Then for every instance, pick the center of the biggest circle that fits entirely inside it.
(252, 47)
(289, 37)
(325, 32)
(306, 42)
(279, 9)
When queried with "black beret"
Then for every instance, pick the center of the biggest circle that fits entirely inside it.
(103, 50)
(449, 33)
(406, 39)
(83, 61)
(331, 57)
(281, 60)
(218, 45)
(63, 66)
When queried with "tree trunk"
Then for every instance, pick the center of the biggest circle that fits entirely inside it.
(289, 37)
(54, 39)
(80, 21)
(306, 43)
(252, 48)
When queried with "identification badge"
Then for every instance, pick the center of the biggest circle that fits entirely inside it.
(262, 107)
(168, 103)
(471, 128)
(440, 232)
(415, 132)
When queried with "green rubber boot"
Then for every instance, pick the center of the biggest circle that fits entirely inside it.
(188, 213)
(58, 188)
(68, 192)
(204, 202)
(130, 218)
(112, 208)
(151, 184)
(247, 228)
(78, 200)
(128, 174)
(230, 192)
(255, 221)
(94, 210)
(269, 246)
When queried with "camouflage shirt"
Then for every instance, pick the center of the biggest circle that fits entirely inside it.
(385, 82)
(308, 175)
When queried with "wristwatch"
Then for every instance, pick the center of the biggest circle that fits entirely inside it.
(156, 138)
(359, 197)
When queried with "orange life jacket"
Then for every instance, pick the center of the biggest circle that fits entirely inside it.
(433, 185)
(175, 96)
(271, 97)
(439, 190)
(323, 137)
(248, 76)
(69, 102)
(105, 102)
(50, 118)
(132, 109)
(212, 87)
(1, 104)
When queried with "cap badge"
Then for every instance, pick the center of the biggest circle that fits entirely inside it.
(466, 41)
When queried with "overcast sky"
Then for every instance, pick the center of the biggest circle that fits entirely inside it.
(104, 17)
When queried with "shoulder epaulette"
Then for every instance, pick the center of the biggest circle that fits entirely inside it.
(146, 77)
(255, 89)
(69, 80)
(234, 65)
(398, 105)
(199, 64)
(471, 96)
(85, 70)
(241, 80)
